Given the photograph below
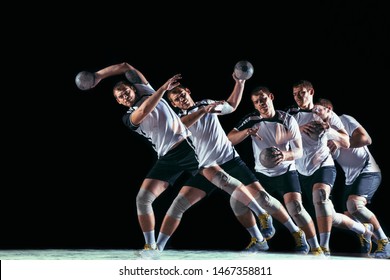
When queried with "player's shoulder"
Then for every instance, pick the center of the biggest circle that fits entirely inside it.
(292, 109)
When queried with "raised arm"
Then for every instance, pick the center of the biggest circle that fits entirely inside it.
(236, 95)
(151, 102)
(231, 104)
(132, 74)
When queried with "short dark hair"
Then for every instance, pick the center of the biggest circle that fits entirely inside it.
(175, 90)
(257, 89)
(303, 83)
(324, 102)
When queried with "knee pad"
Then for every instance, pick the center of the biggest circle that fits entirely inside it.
(144, 201)
(238, 207)
(225, 182)
(358, 209)
(178, 207)
(268, 202)
(322, 204)
(298, 213)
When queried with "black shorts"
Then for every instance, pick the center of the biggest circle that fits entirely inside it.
(325, 175)
(366, 184)
(169, 167)
(235, 168)
(238, 169)
(282, 184)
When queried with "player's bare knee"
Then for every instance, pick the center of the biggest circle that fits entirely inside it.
(144, 202)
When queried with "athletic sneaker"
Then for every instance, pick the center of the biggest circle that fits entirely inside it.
(317, 252)
(266, 227)
(383, 249)
(365, 240)
(255, 246)
(301, 245)
(326, 251)
(149, 252)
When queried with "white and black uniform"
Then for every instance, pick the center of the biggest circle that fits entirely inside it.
(277, 131)
(169, 137)
(162, 127)
(354, 161)
(316, 153)
(212, 148)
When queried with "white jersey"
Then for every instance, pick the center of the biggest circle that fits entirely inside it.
(209, 138)
(354, 161)
(278, 131)
(162, 127)
(316, 153)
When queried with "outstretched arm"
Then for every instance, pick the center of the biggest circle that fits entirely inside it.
(231, 104)
(190, 119)
(132, 74)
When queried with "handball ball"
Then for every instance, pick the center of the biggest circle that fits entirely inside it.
(243, 70)
(318, 130)
(267, 156)
(85, 80)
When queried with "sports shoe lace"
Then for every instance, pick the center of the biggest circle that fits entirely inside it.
(252, 243)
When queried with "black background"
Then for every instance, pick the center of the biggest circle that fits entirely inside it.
(71, 169)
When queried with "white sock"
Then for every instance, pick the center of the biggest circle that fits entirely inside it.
(313, 242)
(255, 207)
(324, 239)
(162, 240)
(289, 224)
(359, 228)
(149, 237)
(255, 232)
(380, 233)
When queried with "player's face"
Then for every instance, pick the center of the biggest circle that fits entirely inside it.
(181, 100)
(303, 97)
(125, 95)
(263, 103)
(322, 112)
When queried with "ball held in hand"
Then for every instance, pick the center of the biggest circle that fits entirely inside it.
(317, 130)
(268, 155)
(243, 70)
(85, 80)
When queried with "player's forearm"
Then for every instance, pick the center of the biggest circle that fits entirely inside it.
(235, 136)
(113, 70)
(293, 154)
(190, 119)
(360, 138)
(341, 138)
(236, 95)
